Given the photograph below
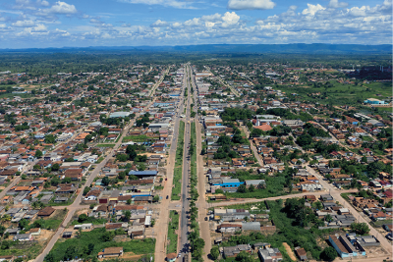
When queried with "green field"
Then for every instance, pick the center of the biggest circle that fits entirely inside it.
(106, 145)
(172, 235)
(88, 244)
(340, 93)
(177, 173)
(141, 138)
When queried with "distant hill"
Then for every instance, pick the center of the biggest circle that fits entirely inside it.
(223, 48)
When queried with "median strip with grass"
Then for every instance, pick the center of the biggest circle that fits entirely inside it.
(177, 173)
(172, 235)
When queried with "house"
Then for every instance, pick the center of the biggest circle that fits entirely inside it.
(344, 247)
(229, 228)
(9, 258)
(23, 237)
(46, 212)
(111, 252)
(233, 251)
(301, 253)
(171, 257)
(35, 231)
(270, 255)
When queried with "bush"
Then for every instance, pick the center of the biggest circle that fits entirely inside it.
(329, 254)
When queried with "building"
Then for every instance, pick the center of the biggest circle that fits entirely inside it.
(233, 251)
(301, 253)
(46, 212)
(270, 255)
(373, 101)
(171, 257)
(111, 252)
(344, 247)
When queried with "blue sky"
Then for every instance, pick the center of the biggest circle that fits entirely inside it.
(47, 23)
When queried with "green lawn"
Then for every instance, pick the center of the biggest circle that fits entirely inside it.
(177, 173)
(172, 236)
(99, 160)
(98, 239)
(141, 138)
(106, 145)
(342, 94)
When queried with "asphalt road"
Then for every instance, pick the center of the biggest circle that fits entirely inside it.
(183, 240)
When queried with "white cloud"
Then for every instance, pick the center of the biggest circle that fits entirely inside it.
(43, 2)
(22, 2)
(170, 3)
(40, 28)
(214, 17)
(336, 4)
(312, 9)
(250, 4)
(356, 11)
(230, 19)
(62, 8)
(24, 23)
(159, 23)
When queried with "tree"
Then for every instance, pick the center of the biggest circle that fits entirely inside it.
(243, 256)
(38, 153)
(50, 257)
(214, 252)
(360, 228)
(122, 157)
(86, 190)
(156, 198)
(23, 223)
(329, 254)
(90, 248)
(55, 167)
(82, 218)
(242, 189)
(105, 181)
(251, 188)
(127, 215)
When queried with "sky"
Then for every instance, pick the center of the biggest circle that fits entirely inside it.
(82, 23)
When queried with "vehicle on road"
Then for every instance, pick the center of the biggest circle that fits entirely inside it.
(167, 196)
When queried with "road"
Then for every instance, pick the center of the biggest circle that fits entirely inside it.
(183, 245)
(76, 204)
(201, 203)
(253, 148)
(225, 84)
(336, 194)
(167, 204)
(153, 90)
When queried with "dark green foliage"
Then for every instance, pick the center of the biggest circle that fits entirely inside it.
(329, 254)
(360, 228)
(233, 114)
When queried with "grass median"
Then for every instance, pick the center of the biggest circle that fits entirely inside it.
(172, 235)
(177, 173)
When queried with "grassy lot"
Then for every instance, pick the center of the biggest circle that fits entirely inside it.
(106, 145)
(172, 235)
(94, 221)
(10, 95)
(99, 160)
(141, 138)
(381, 223)
(33, 248)
(177, 173)
(342, 94)
(287, 231)
(88, 244)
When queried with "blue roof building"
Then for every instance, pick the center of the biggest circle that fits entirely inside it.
(143, 173)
